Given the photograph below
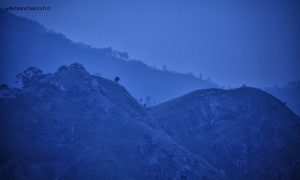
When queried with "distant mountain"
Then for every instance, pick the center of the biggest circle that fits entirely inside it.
(290, 94)
(26, 43)
(74, 125)
(245, 132)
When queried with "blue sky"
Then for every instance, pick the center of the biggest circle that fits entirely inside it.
(255, 42)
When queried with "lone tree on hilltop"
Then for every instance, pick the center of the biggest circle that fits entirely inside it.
(117, 79)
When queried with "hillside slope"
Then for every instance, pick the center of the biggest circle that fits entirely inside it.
(26, 43)
(73, 125)
(246, 132)
(289, 94)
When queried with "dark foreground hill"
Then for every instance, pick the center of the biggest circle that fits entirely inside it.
(246, 132)
(73, 125)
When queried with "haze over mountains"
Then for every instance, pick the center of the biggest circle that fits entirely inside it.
(233, 42)
(66, 120)
(27, 43)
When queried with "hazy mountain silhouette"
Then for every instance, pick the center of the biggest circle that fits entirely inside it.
(73, 125)
(246, 132)
(26, 43)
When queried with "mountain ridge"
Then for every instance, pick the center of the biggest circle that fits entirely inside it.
(49, 50)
